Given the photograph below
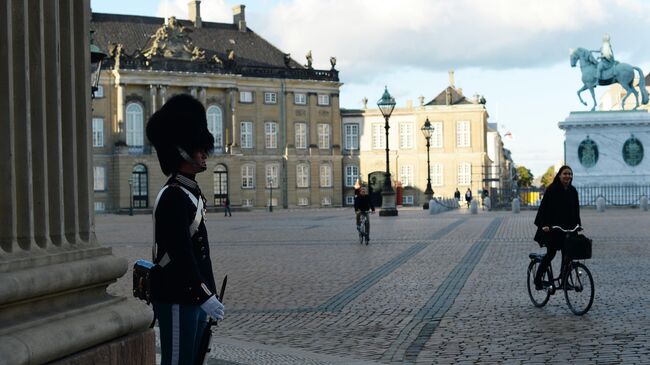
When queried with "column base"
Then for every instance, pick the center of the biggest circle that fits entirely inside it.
(137, 349)
(388, 212)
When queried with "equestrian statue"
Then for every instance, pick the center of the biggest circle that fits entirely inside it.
(605, 71)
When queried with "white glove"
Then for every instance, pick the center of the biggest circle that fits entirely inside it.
(213, 308)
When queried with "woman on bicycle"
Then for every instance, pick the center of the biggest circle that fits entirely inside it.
(559, 207)
(362, 204)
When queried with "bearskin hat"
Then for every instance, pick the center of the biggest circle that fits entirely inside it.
(181, 122)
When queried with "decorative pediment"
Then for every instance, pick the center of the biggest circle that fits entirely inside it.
(172, 40)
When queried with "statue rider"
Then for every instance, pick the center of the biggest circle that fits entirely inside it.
(606, 59)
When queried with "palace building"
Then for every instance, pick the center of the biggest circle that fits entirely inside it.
(276, 122)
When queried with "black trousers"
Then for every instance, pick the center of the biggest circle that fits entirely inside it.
(546, 261)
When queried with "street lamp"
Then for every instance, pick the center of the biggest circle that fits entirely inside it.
(96, 58)
(131, 195)
(427, 130)
(388, 208)
(270, 184)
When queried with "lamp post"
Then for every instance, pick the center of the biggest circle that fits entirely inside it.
(427, 130)
(96, 58)
(270, 184)
(131, 195)
(388, 208)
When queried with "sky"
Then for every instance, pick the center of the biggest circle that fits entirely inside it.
(513, 52)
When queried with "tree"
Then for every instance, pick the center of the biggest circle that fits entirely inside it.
(524, 177)
(548, 176)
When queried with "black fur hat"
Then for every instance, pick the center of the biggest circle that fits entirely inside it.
(181, 122)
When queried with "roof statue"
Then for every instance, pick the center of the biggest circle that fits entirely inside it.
(309, 59)
(172, 41)
(605, 70)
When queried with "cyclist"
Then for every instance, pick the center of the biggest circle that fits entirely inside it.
(362, 204)
(559, 207)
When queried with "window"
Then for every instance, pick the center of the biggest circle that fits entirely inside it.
(271, 135)
(248, 177)
(436, 136)
(300, 98)
(215, 126)
(100, 92)
(272, 176)
(246, 134)
(325, 176)
(134, 125)
(220, 184)
(349, 200)
(245, 96)
(464, 173)
(406, 175)
(351, 136)
(462, 134)
(100, 178)
(323, 99)
(407, 200)
(140, 186)
(100, 207)
(406, 135)
(437, 176)
(270, 98)
(302, 201)
(323, 136)
(301, 135)
(302, 175)
(351, 175)
(378, 136)
(247, 202)
(98, 132)
(326, 201)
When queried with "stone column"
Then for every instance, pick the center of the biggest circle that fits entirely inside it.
(120, 122)
(202, 96)
(153, 94)
(163, 94)
(53, 272)
(193, 91)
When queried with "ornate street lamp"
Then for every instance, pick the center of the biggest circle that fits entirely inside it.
(270, 184)
(96, 58)
(388, 207)
(131, 195)
(427, 130)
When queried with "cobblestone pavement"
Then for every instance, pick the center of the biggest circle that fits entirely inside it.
(443, 289)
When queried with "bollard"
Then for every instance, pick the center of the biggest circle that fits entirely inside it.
(473, 207)
(487, 203)
(433, 207)
(644, 203)
(516, 206)
(600, 204)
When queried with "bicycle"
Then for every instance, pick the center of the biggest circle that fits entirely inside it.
(364, 227)
(575, 280)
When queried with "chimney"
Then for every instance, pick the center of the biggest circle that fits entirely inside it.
(239, 17)
(451, 78)
(194, 12)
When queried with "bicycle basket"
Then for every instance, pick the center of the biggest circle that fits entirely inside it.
(577, 247)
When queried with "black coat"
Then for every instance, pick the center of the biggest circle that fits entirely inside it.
(363, 203)
(559, 207)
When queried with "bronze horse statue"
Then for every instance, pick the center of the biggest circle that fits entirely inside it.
(619, 72)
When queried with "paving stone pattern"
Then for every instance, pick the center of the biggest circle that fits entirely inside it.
(429, 289)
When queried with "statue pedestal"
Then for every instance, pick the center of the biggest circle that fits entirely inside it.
(608, 149)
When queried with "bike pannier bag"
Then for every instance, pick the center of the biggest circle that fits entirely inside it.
(577, 247)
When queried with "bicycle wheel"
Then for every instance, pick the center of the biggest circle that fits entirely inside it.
(538, 297)
(578, 285)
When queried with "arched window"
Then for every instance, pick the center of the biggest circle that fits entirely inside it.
(134, 125)
(215, 126)
(220, 179)
(140, 186)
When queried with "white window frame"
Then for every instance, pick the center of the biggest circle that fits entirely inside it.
(300, 135)
(100, 206)
(407, 199)
(323, 136)
(214, 116)
(351, 131)
(437, 174)
(247, 202)
(272, 173)
(270, 135)
(99, 93)
(325, 176)
(323, 99)
(99, 178)
(98, 132)
(300, 98)
(406, 175)
(270, 97)
(326, 201)
(463, 133)
(378, 136)
(351, 175)
(246, 134)
(349, 200)
(464, 174)
(406, 135)
(303, 201)
(134, 125)
(437, 140)
(246, 97)
(302, 175)
(248, 176)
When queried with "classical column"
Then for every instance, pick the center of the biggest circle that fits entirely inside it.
(193, 91)
(163, 94)
(153, 93)
(120, 122)
(202, 96)
(53, 273)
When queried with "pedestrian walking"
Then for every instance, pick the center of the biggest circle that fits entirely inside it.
(226, 208)
(468, 196)
(182, 280)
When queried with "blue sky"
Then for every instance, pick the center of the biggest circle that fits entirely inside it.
(513, 52)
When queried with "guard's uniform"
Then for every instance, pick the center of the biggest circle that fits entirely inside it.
(186, 280)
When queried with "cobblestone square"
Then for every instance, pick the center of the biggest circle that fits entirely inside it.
(442, 289)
